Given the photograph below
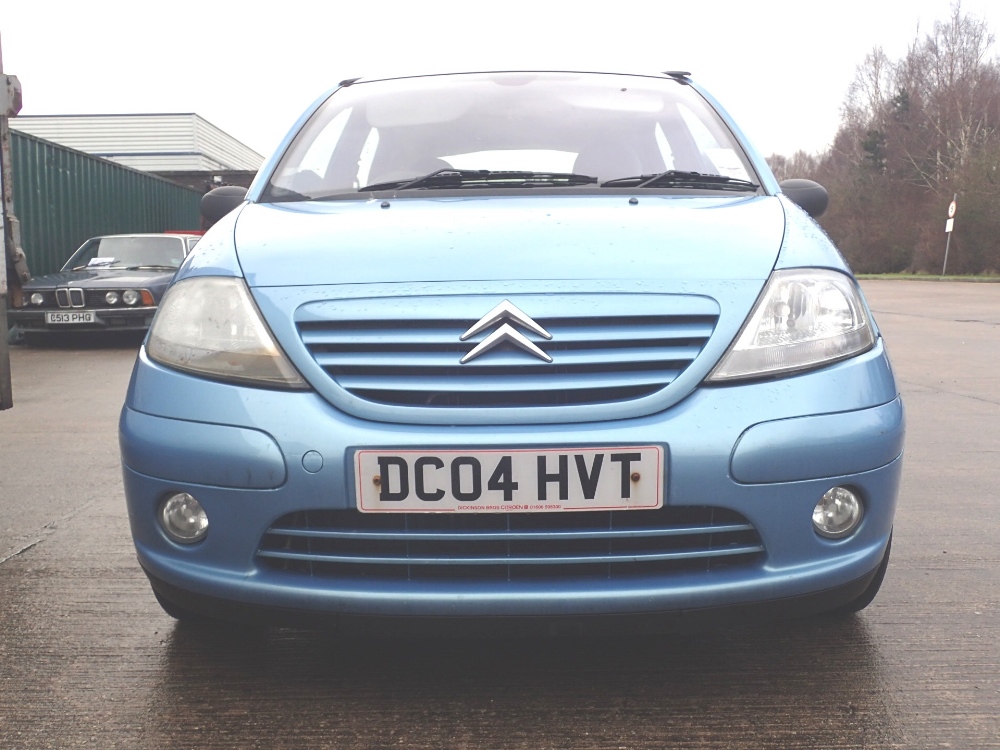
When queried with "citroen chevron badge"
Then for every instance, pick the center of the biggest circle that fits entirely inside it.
(506, 332)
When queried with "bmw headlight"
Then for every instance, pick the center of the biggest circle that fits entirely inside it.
(805, 318)
(210, 326)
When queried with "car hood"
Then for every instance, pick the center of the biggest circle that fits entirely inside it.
(93, 278)
(423, 240)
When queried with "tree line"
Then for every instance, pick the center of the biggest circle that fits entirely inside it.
(915, 132)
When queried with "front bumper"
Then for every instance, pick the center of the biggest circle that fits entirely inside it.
(633, 623)
(112, 319)
(242, 452)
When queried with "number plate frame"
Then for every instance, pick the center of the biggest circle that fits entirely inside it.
(575, 479)
(75, 318)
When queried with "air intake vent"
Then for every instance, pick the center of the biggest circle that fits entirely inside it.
(515, 546)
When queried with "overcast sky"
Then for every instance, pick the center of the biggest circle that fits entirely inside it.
(781, 67)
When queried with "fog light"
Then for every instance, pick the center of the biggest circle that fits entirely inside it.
(37, 299)
(130, 296)
(112, 298)
(183, 518)
(838, 513)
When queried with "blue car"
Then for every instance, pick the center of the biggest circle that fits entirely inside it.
(516, 348)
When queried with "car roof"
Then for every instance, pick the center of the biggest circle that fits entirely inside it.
(662, 75)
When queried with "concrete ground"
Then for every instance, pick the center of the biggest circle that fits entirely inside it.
(87, 659)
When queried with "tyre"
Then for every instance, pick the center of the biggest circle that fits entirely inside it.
(868, 595)
(196, 621)
(178, 612)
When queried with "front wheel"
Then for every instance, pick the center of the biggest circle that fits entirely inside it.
(182, 614)
(868, 595)
(196, 621)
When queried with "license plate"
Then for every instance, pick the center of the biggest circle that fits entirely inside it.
(521, 480)
(59, 318)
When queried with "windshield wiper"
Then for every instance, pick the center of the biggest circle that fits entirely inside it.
(680, 178)
(153, 267)
(481, 178)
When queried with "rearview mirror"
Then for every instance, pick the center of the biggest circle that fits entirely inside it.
(810, 196)
(218, 202)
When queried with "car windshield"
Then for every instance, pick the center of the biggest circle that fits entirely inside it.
(128, 252)
(503, 131)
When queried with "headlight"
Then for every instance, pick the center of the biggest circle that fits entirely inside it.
(111, 298)
(805, 318)
(209, 325)
(130, 296)
(37, 299)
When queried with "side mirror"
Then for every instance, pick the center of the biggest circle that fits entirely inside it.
(810, 196)
(218, 202)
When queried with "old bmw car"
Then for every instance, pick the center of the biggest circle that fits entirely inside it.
(514, 347)
(111, 283)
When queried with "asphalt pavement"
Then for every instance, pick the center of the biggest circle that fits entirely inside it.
(88, 659)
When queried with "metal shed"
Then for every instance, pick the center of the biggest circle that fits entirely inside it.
(63, 197)
(150, 142)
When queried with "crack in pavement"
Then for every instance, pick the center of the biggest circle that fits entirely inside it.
(950, 393)
(47, 530)
(877, 313)
(21, 551)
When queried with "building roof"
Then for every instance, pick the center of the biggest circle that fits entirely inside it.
(150, 142)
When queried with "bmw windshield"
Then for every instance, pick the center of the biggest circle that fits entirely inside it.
(503, 131)
(125, 251)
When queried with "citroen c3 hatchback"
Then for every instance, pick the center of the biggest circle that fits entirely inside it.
(516, 345)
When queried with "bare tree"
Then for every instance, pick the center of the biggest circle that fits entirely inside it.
(952, 92)
(874, 80)
(800, 164)
(913, 132)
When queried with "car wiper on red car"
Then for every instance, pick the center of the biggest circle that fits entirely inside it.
(480, 178)
(680, 178)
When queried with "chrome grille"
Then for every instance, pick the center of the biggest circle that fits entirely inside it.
(515, 546)
(69, 297)
(74, 297)
(414, 360)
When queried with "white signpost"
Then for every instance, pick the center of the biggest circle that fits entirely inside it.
(949, 225)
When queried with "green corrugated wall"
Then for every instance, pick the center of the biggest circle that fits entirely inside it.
(63, 197)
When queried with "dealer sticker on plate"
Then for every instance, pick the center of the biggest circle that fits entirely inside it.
(520, 480)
